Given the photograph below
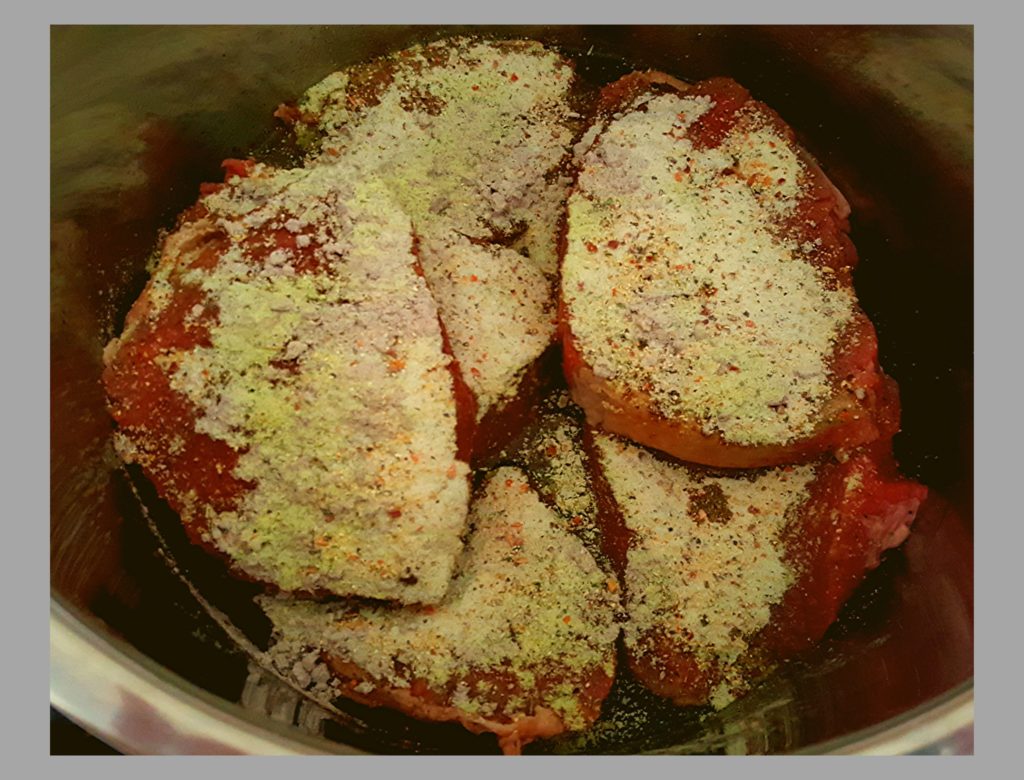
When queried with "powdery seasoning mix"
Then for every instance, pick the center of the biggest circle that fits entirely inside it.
(322, 353)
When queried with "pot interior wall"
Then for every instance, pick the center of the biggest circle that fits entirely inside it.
(141, 116)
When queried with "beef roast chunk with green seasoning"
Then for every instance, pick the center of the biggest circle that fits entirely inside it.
(472, 137)
(523, 644)
(725, 574)
(284, 382)
(707, 303)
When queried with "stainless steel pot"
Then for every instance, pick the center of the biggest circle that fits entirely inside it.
(140, 116)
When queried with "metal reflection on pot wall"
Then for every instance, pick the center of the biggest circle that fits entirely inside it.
(142, 115)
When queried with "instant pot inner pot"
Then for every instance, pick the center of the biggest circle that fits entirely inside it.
(141, 116)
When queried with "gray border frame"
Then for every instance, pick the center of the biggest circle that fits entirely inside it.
(997, 203)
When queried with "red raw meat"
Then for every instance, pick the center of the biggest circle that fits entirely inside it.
(707, 305)
(727, 573)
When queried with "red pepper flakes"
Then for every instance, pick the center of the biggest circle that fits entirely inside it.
(513, 77)
(551, 451)
(567, 619)
(750, 324)
(509, 483)
(395, 513)
(613, 244)
(474, 371)
(396, 365)
(678, 176)
(474, 278)
(577, 520)
(452, 471)
(475, 87)
(591, 247)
